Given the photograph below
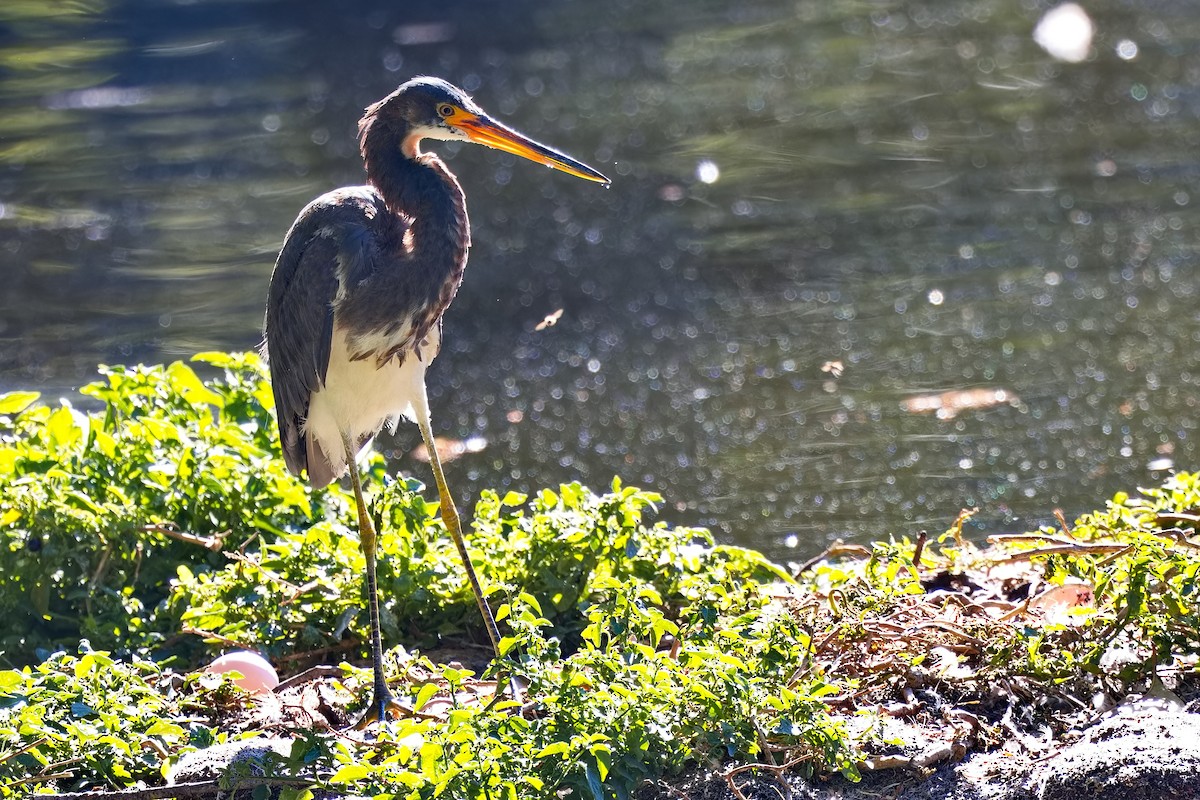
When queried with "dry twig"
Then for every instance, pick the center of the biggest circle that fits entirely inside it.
(1068, 550)
(836, 550)
(340, 647)
(215, 636)
(212, 543)
(312, 673)
(777, 770)
(919, 548)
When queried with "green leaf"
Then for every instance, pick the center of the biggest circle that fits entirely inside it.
(425, 694)
(188, 384)
(62, 428)
(554, 749)
(84, 665)
(162, 727)
(10, 679)
(350, 773)
(160, 430)
(216, 358)
(105, 443)
(431, 753)
(603, 757)
(16, 402)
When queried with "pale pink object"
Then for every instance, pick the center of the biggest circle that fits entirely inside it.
(257, 673)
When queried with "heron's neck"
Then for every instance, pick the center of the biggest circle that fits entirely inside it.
(428, 197)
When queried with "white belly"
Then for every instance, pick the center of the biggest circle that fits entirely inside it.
(358, 399)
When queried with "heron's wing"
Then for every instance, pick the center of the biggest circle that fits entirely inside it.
(299, 325)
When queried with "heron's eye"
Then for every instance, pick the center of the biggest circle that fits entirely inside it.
(445, 110)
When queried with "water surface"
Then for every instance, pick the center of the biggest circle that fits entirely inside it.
(824, 218)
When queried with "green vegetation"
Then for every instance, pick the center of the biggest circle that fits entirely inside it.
(99, 510)
(140, 539)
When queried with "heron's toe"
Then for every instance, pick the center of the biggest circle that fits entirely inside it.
(382, 708)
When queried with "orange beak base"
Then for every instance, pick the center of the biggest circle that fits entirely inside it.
(486, 131)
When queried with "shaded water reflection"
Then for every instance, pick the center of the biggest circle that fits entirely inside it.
(916, 193)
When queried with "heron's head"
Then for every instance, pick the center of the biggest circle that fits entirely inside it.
(431, 108)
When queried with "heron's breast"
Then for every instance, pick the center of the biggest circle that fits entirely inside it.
(360, 397)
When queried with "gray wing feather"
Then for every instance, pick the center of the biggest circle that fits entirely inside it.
(333, 233)
(299, 328)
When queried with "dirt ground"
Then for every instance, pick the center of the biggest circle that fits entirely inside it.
(1144, 750)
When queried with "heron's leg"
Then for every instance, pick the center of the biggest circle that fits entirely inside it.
(450, 518)
(381, 698)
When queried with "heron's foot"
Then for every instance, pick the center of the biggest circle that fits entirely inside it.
(382, 708)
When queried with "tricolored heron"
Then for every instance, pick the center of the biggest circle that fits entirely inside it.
(354, 314)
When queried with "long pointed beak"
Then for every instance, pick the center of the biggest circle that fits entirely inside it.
(486, 131)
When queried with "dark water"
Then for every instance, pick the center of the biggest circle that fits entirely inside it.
(916, 191)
